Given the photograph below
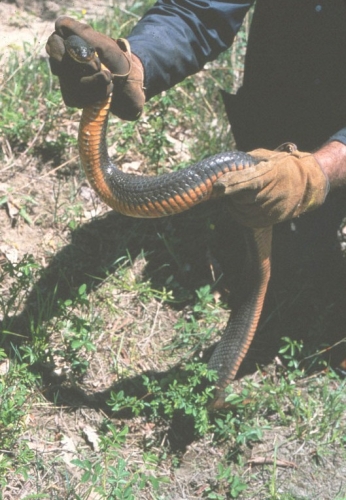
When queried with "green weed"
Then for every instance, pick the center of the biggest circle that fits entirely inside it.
(175, 394)
(195, 328)
(15, 280)
(113, 477)
(27, 84)
(231, 485)
(17, 386)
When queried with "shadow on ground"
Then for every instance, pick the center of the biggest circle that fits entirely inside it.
(306, 298)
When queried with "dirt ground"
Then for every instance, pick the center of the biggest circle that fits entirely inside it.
(32, 21)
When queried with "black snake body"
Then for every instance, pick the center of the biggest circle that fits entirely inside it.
(168, 194)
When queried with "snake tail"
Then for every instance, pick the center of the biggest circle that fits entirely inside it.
(242, 325)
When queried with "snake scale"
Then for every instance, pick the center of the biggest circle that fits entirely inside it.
(169, 194)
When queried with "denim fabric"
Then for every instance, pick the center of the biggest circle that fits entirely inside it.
(295, 68)
(175, 38)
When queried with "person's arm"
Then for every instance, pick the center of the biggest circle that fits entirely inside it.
(332, 159)
(285, 185)
(172, 41)
(176, 38)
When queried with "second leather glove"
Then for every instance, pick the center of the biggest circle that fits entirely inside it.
(280, 187)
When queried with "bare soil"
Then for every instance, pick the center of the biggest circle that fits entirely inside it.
(33, 20)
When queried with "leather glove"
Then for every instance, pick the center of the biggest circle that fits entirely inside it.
(83, 84)
(282, 186)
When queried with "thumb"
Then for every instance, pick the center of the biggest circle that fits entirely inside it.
(255, 177)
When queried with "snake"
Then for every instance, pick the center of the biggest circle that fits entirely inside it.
(172, 193)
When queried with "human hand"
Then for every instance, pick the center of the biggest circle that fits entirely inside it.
(83, 84)
(283, 185)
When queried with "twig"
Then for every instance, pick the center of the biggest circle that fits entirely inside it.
(271, 461)
(145, 342)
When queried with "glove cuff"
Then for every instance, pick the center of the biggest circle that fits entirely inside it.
(125, 48)
(129, 86)
(316, 182)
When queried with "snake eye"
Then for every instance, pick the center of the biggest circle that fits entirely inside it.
(86, 52)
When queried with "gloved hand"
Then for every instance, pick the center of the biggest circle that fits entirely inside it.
(83, 84)
(282, 186)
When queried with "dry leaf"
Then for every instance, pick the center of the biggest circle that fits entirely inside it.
(69, 450)
(88, 194)
(132, 166)
(10, 253)
(91, 437)
(12, 210)
(4, 367)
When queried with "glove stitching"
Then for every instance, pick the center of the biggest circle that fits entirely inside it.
(127, 55)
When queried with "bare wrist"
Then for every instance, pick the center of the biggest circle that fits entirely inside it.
(332, 160)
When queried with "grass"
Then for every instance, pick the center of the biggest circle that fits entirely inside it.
(106, 321)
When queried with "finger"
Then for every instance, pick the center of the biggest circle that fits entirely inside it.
(87, 90)
(268, 154)
(261, 153)
(97, 87)
(253, 177)
(55, 47)
(103, 79)
(107, 49)
(66, 26)
(55, 66)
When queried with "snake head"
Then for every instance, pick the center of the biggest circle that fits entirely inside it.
(79, 50)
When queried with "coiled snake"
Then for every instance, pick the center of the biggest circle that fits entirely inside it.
(168, 194)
